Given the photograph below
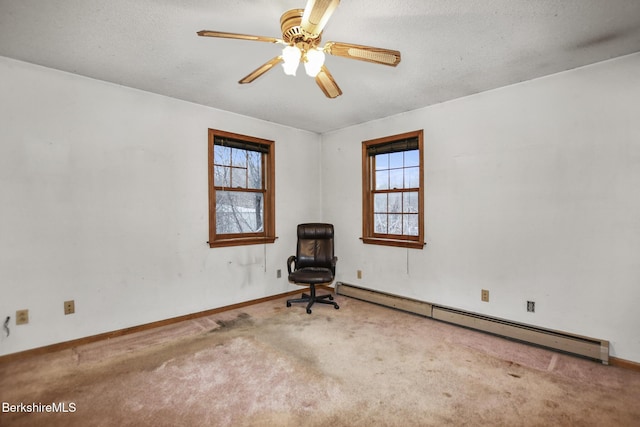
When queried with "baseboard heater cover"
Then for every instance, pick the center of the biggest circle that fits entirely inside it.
(575, 344)
(387, 300)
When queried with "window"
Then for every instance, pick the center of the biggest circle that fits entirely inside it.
(241, 190)
(392, 191)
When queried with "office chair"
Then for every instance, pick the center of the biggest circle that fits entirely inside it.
(314, 263)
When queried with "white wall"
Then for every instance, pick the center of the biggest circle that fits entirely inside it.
(532, 192)
(103, 193)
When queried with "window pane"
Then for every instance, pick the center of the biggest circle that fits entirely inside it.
(396, 160)
(392, 187)
(222, 176)
(239, 178)
(255, 169)
(380, 223)
(221, 155)
(395, 178)
(382, 180)
(241, 190)
(410, 202)
(238, 212)
(395, 224)
(411, 177)
(411, 158)
(380, 203)
(395, 202)
(382, 161)
(238, 157)
(410, 225)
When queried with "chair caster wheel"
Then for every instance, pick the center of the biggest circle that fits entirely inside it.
(336, 306)
(308, 311)
(288, 304)
(331, 297)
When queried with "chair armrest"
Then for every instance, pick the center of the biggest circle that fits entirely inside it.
(290, 261)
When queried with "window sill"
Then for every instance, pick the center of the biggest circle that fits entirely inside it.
(241, 241)
(412, 244)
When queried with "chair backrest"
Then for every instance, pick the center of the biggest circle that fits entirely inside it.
(315, 246)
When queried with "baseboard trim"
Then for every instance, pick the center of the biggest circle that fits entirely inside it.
(626, 364)
(613, 361)
(144, 327)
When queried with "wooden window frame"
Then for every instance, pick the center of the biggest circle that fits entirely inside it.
(368, 190)
(267, 235)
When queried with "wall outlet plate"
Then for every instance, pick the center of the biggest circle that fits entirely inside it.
(69, 307)
(484, 295)
(531, 306)
(22, 317)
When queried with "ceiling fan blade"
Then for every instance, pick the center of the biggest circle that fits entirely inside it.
(207, 33)
(315, 16)
(364, 53)
(325, 80)
(261, 70)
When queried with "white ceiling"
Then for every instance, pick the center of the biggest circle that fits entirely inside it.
(450, 49)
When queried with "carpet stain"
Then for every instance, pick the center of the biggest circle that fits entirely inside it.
(243, 320)
(551, 404)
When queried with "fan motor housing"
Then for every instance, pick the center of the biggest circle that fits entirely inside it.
(291, 31)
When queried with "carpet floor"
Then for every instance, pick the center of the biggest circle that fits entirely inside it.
(361, 365)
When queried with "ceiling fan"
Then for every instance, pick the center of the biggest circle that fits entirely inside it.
(301, 36)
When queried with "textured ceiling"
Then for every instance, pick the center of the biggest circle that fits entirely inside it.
(449, 49)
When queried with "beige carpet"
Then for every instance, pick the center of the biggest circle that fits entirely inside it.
(362, 365)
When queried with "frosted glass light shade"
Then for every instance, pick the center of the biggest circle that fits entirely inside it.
(291, 57)
(314, 62)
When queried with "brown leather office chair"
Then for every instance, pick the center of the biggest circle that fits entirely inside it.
(314, 263)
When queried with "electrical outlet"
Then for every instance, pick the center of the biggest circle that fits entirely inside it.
(484, 295)
(531, 306)
(22, 317)
(69, 307)
(359, 274)
(278, 274)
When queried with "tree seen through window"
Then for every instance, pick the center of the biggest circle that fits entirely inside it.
(241, 189)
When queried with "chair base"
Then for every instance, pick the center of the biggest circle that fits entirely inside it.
(313, 298)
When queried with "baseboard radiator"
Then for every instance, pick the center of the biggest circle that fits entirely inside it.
(569, 343)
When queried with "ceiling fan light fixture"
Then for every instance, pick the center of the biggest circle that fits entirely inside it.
(291, 59)
(302, 34)
(314, 62)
